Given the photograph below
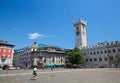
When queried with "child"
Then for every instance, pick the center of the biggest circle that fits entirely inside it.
(34, 72)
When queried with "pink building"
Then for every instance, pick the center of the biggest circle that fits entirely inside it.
(6, 53)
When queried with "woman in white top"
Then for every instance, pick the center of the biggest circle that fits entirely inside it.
(34, 72)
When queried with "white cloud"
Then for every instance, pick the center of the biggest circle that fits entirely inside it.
(35, 35)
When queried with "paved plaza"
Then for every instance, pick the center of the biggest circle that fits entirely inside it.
(103, 75)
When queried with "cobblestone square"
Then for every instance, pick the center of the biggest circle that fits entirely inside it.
(62, 76)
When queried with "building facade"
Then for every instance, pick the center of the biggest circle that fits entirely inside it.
(104, 54)
(16, 59)
(46, 56)
(6, 53)
(54, 56)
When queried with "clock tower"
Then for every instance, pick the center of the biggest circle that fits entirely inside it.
(80, 33)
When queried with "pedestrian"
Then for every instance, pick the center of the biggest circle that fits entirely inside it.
(6, 68)
(34, 72)
(43, 67)
(51, 68)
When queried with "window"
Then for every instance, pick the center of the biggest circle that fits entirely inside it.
(35, 49)
(31, 49)
(100, 59)
(109, 51)
(86, 60)
(105, 51)
(118, 49)
(111, 58)
(45, 60)
(105, 58)
(94, 53)
(53, 59)
(90, 53)
(97, 52)
(61, 60)
(90, 60)
(9, 51)
(27, 53)
(114, 50)
(4, 50)
(77, 33)
(95, 59)
(101, 52)
(8, 56)
(84, 53)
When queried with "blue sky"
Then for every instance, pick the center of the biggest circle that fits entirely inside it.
(50, 21)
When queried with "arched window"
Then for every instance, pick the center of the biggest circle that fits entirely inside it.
(114, 50)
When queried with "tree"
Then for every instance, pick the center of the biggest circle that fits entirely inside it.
(75, 56)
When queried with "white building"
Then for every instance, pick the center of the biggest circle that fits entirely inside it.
(105, 54)
(36, 55)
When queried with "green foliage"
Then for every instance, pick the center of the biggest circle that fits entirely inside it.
(75, 56)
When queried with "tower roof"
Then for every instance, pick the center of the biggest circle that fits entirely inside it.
(80, 21)
(35, 45)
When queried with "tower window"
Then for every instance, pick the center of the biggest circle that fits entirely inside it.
(77, 29)
(77, 33)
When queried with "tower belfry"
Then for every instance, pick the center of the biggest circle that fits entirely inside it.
(80, 33)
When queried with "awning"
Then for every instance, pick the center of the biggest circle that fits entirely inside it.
(58, 64)
(49, 65)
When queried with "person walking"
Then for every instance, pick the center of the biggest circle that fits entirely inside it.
(34, 72)
(6, 68)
